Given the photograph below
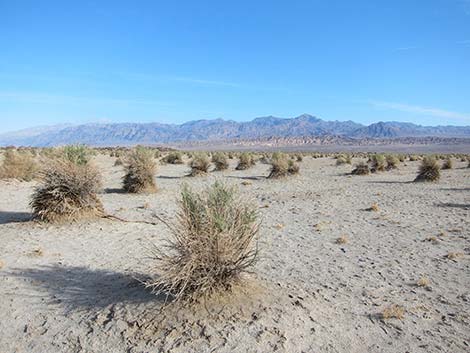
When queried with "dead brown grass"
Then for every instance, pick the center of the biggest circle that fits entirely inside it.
(428, 170)
(423, 282)
(200, 164)
(361, 168)
(18, 165)
(66, 192)
(393, 312)
(212, 244)
(140, 168)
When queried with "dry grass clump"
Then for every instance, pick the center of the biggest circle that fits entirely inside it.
(140, 170)
(447, 164)
(118, 162)
(67, 192)
(392, 162)
(343, 159)
(423, 282)
(293, 168)
(342, 240)
(428, 170)
(281, 166)
(18, 165)
(393, 312)
(245, 161)
(374, 207)
(220, 161)
(361, 168)
(212, 244)
(378, 163)
(77, 154)
(454, 255)
(173, 158)
(200, 164)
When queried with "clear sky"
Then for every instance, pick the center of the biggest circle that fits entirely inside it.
(174, 61)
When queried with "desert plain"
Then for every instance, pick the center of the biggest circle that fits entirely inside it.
(337, 252)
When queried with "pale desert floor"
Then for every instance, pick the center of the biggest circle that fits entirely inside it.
(73, 288)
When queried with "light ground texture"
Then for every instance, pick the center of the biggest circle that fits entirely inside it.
(73, 288)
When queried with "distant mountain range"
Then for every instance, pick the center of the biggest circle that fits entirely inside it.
(219, 129)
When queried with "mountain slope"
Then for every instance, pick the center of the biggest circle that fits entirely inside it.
(219, 129)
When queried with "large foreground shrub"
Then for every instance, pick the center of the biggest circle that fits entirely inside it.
(140, 170)
(18, 165)
(67, 192)
(212, 244)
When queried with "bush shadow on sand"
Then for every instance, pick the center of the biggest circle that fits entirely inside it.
(79, 288)
(15, 217)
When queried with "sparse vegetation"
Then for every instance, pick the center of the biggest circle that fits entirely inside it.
(428, 170)
(393, 312)
(220, 161)
(173, 158)
(378, 163)
(200, 164)
(140, 170)
(18, 165)
(392, 162)
(67, 192)
(342, 239)
(423, 282)
(361, 168)
(447, 164)
(212, 244)
(77, 154)
(245, 161)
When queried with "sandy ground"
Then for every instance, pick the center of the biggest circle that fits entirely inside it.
(73, 288)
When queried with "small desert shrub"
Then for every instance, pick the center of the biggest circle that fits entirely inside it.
(279, 166)
(140, 170)
(361, 169)
(374, 207)
(18, 165)
(77, 154)
(299, 158)
(343, 159)
(428, 170)
(117, 162)
(211, 245)
(423, 282)
(245, 161)
(393, 312)
(220, 161)
(200, 164)
(447, 164)
(378, 163)
(392, 162)
(293, 168)
(173, 158)
(67, 192)
(342, 240)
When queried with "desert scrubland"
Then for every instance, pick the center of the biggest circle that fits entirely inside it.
(346, 263)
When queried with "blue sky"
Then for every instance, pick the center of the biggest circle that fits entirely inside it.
(174, 61)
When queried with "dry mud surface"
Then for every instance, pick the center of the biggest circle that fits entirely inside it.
(73, 288)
